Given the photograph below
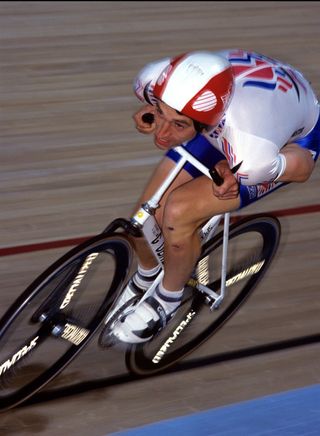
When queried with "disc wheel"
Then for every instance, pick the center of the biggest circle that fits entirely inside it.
(56, 316)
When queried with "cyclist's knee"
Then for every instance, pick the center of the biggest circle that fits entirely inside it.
(177, 226)
(176, 211)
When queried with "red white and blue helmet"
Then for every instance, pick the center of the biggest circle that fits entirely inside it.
(197, 84)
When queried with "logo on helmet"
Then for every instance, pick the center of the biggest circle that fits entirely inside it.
(164, 75)
(205, 102)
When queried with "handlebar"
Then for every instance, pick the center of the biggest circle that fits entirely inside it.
(218, 180)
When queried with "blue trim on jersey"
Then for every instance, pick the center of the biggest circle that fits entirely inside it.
(312, 140)
(201, 149)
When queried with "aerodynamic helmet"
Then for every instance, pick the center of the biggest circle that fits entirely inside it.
(197, 84)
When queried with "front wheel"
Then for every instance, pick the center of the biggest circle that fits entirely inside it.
(252, 245)
(49, 324)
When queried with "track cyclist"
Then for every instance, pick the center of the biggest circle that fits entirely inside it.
(233, 110)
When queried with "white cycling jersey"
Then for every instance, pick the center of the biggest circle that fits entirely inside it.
(272, 105)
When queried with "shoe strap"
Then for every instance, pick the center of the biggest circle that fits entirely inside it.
(158, 308)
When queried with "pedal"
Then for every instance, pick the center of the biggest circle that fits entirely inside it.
(107, 339)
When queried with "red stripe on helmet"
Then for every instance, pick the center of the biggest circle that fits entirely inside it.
(164, 77)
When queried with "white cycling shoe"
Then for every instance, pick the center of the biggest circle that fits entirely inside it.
(129, 296)
(142, 322)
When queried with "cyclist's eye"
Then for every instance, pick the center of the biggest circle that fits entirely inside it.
(180, 126)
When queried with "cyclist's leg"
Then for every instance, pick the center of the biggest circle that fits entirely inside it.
(190, 204)
(145, 256)
(148, 268)
(188, 207)
(202, 150)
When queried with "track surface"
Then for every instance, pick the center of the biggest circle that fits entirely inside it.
(71, 161)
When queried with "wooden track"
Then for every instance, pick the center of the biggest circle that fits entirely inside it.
(71, 161)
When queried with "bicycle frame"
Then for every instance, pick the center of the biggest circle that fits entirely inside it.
(144, 219)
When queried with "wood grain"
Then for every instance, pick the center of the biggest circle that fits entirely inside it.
(71, 160)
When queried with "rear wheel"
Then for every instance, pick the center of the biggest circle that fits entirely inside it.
(252, 245)
(49, 324)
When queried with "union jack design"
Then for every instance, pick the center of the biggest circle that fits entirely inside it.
(263, 188)
(262, 72)
(228, 152)
(217, 131)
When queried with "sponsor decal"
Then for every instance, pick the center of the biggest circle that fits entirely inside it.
(203, 235)
(165, 347)
(203, 271)
(254, 269)
(74, 333)
(160, 249)
(76, 282)
(18, 355)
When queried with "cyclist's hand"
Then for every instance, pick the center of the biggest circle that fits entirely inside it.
(230, 187)
(143, 119)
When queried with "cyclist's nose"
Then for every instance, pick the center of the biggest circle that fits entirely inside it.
(163, 128)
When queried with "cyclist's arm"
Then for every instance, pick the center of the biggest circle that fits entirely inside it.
(299, 164)
(262, 161)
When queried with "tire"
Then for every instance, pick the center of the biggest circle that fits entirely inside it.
(253, 243)
(56, 316)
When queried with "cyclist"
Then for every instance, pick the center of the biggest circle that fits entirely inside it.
(231, 109)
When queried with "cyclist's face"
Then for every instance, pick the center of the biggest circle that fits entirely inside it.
(171, 128)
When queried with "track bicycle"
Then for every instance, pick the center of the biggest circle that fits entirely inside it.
(73, 300)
